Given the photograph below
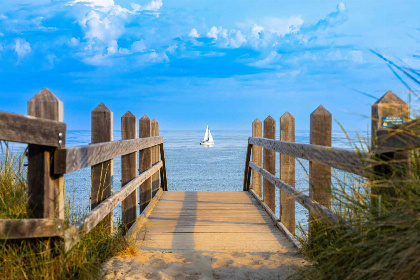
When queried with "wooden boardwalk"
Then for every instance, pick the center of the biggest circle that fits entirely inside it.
(210, 222)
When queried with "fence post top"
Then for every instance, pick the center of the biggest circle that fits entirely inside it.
(269, 119)
(154, 121)
(388, 98)
(45, 95)
(101, 108)
(128, 114)
(256, 121)
(321, 111)
(287, 115)
(144, 118)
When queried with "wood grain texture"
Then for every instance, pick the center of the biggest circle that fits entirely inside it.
(320, 174)
(155, 157)
(287, 173)
(129, 170)
(389, 105)
(145, 162)
(82, 227)
(45, 189)
(399, 138)
(278, 223)
(247, 170)
(30, 228)
(31, 130)
(269, 158)
(257, 157)
(75, 158)
(346, 160)
(211, 222)
(317, 209)
(102, 173)
(163, 177)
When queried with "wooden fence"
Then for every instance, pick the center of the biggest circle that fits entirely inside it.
(388, 144)
(48, 160)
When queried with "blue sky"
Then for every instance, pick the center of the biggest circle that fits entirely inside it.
(190, 63)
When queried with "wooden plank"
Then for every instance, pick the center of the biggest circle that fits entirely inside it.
(45, 189)
(32, 130)
(246, 171)
(145, 162)
(257, 157)
(163, 176)
(155, 156)
(346, 160)
(129, 170)
(82, 227)
(317, 209)
(30, 228)
(287, 173)
(102, 173)
(75, 158)
(269, 158)
(320, 174)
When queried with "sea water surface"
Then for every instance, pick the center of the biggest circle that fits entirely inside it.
(192, 167)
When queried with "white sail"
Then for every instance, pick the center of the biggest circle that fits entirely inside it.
(206, 136)
(210, 137)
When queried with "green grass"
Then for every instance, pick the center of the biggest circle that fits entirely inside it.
(34, 259)
(381, 241)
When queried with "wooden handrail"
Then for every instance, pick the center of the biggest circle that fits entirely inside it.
(317, 209)
(74, 158)
(32, 130)
(346, 160)
(82, 227)
(30, 228)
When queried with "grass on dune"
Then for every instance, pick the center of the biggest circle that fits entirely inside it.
(34, 258)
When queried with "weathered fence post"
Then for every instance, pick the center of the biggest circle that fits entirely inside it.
(145, 162)
(287, 173)
(389, 105)
(270, 164)
(155, 157)
(129, 170)
(319, 174)
(45, 189)
(256, 157)
(387, 111)
(101, 174)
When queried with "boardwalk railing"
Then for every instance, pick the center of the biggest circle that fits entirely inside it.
(391, 144)
(49, 160)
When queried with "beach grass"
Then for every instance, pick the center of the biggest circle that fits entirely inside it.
(46, 258)
(380, 240)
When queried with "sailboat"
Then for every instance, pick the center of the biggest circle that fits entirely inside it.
(208, 139)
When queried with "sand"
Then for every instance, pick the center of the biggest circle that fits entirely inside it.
(143, 264)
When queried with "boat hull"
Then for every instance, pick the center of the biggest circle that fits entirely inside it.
(209, 144)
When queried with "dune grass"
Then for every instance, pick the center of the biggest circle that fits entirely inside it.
(383, 241)
(46, 259)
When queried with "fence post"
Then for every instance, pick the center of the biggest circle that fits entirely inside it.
(102, 173)
(390, 164)
(145, 161)
(45, 189)
(319, 174)
(129, 170)
(270, 164)
(389, 105)
(256, 157)
(287, 173)
(155, 157)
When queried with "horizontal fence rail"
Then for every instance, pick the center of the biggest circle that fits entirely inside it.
(74, 158)
(342, 159)
(32, 130)
(82, 227)
(317, 209)
(30, 228)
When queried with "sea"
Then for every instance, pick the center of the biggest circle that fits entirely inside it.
(192, 167)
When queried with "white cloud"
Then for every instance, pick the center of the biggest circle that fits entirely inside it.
(213, 32)
(341, 7)
(112, 47)
(356, 56)
(267, 62)
(154, 5)
(74, 42)
(193, 33)
(138, 46)
(100, 3)
(237, 39)
(282, 26)
(22, 48)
